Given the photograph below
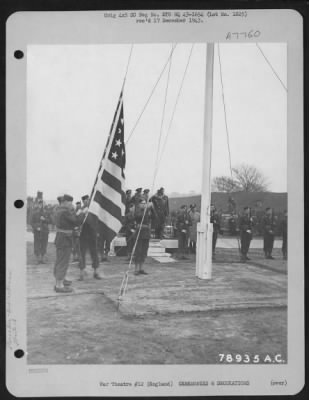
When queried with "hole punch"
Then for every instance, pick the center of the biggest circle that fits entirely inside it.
(19, 353)
(18, 203)
(18, 54)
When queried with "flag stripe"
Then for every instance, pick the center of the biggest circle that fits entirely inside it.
(112, 181)
(112, 188)
(103, 216)
(104, 229)
(113, 195)
(113, 169)
(107, 205)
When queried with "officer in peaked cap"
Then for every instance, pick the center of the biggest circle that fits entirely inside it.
(66, 221)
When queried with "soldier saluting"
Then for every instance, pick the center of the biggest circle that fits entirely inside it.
(245, 230)
(268, 225)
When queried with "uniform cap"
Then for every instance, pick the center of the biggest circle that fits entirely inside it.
(128, 191)
(60, 199)
(78, 202)
(67, 197)
(138, 189)
(85, 197)
(146, 191)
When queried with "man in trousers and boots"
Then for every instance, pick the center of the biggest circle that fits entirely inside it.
(88, 241)
(143, 226)
(245, 230)
(183, 224)
(39, 222)
(66, 221)
(129, 228)
(128, 200)
(284, 231)
(215, 220)
(161, 211)
(268, 225)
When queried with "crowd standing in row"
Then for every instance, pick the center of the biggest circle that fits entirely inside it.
(144, 216)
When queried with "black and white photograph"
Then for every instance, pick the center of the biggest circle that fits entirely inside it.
(156, 218)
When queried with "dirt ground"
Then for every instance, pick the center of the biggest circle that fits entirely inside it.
(166, 317)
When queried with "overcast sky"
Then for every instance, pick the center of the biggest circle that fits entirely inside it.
(73, 91)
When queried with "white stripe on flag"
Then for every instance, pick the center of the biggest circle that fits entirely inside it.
(113, 169)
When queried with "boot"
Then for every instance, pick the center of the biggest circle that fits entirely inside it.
(81, 275)
(96, 275)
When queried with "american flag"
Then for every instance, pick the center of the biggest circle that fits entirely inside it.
(107, 201)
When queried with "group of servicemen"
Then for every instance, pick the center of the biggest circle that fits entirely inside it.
(69, 236)
(75, 233)
(141, 214)
(187, 219)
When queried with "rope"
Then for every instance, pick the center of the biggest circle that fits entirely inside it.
(226, 125)
(124, 283)
(272, 68)
(128, 63)
(150, 96)
(176, 103)
(164, 106)
(225, 116)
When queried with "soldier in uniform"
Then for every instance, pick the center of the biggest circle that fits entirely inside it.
(161, 211)
(284, 231)
(195, 219)
(129, 228)
(66, 221)
(137, 196)
(128, 200)
(146, 194)
(75, 251)
(142, 218)
(88, 241)
(39, 222)
(215, 220)
(268, 225)
(245, 230)
(183, 224)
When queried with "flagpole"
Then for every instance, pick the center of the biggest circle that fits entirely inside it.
(205, 229)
